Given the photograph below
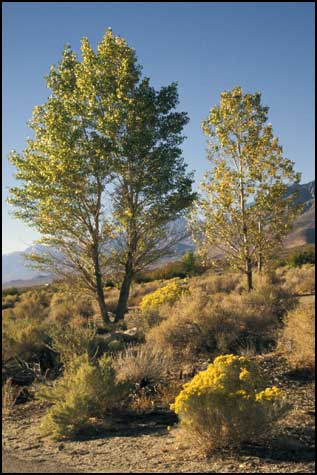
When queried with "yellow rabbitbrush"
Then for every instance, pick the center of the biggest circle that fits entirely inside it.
(227, 404)
(169, 294)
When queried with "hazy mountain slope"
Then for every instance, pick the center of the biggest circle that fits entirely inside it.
(14, 268)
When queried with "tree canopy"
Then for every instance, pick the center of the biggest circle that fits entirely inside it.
(244, 212)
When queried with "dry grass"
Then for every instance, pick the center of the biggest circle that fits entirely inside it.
(297, 341)
(222, 322)
(142, 402)
(22, 338)
(65, 308)
(213, 283)
(33, 306)
(10, 394)
(298, 280)
(168, 392)
(144, 363)
(196, 323)
(143, 321)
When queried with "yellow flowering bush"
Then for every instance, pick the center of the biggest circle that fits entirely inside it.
(169, 294)
(226, 404)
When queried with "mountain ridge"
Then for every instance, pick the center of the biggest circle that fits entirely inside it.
(15, 272)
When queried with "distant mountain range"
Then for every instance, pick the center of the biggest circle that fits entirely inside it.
(16, 273)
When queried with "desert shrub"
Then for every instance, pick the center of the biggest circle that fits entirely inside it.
(86, 390)
(220, 322)
(302, 256)
(138, 291)
(171, 270)
(10, 291)
(114, 346)
(10, 394)
(213, 283)
(22, 338)
(111, 300)
(297, 340)
(300, 280)
(227, 404)
(144, 363)
(143, 321)
(269, 299)
(8, 301)
(33, 305)
(60, 310)
(198, 322)
(168, 294)
(25, 326)
(71, 341)
(65, 308)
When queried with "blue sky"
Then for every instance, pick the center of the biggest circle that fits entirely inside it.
(206, 47)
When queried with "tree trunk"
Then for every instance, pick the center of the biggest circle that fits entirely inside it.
(102, 305)
(260, 263)
(249, 274)
(99, 290)
(125, 290)
(260, 256)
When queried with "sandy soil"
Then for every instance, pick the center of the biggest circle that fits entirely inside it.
(145, 445)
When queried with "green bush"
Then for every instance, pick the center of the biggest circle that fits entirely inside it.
(227, 404)
(9, 301)
(87, 390)
(187, 266)
(10, 291)
(65, 308)
(70, 341)
(302, 256)
(23, 338)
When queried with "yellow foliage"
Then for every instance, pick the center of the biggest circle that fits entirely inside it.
(168, 294)
(226, 403)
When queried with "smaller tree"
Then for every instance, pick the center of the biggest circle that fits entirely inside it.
(189, 263)
(244, 211)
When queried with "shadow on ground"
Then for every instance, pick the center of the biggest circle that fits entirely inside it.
(131, 425)
(285, 448)
(303, 376)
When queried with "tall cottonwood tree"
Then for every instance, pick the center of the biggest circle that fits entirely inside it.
(244, 211)
(152, 187)
(66, 167)
(103, 128)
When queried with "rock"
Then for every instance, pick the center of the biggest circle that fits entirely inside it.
(19, 374)
(131, 332)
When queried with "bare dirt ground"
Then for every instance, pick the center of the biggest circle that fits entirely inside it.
(11, 464)
(144, 445)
